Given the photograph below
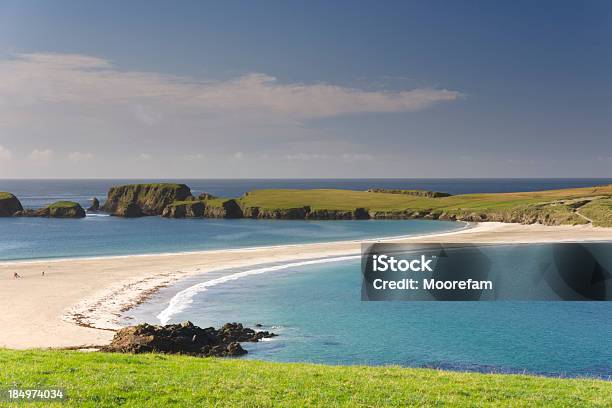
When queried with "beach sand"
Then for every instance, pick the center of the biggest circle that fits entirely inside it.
(53, 310)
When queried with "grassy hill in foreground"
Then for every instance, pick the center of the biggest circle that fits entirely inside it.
(99, 379)
(553, 207)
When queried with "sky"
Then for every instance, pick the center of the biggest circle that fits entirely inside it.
(317, 89)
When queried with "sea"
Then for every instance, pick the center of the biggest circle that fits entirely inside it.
(315, 308)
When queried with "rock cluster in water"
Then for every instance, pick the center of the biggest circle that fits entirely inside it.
(95, 205)
(185, 338)
(10, 206)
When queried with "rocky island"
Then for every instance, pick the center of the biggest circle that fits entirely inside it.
(10, 206)
(59, 209)
(589, 205)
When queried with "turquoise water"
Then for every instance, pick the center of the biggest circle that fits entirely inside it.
(98, 235)
(318, 314)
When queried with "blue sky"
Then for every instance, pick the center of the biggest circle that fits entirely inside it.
(305, 89)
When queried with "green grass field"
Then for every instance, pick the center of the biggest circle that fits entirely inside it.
(100, 380)
(551, 207)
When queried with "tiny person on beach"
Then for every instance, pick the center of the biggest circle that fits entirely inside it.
(16, 275)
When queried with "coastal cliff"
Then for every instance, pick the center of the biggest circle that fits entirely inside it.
(204, 208)
(554, 207)
(9, 205)
(137, 200)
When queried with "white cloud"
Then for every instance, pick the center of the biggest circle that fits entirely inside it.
(40, 155)
(5, 154)
(86, 105)
(36, 79)
(77, 157)
(193, 156)
(324, 156)
(307, 156)
(356, 156)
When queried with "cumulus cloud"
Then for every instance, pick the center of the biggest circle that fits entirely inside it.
(307, 156)
(40, 155)
(326, 156)
(5, 154)
(357, 156)
(78, 157)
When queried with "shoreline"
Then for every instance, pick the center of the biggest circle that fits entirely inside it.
(67, 308)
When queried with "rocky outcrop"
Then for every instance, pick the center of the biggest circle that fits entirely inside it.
(305, 213)
(322, 214)
(417, 193)
(95, 205)
(136, 200)
(9, 205)
(184, 209)
(60, 209)
(278, 213)
(212, 208)
(222, 209)
(185, 338)
(206, 196)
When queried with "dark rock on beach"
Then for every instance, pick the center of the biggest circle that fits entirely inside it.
(9, 205)
(185, 338)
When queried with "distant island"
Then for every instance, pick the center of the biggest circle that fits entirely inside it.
(10, 206)
(588, 205)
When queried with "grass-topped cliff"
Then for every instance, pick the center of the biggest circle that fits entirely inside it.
(100, 380)
(547, 207)
(552, 207)
(62, 209)
(135, 200)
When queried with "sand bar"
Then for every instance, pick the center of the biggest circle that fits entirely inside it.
(43, 311)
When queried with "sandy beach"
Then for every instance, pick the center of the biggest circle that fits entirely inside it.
(78, 301)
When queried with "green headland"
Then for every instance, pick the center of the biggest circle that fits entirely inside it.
(552, 207)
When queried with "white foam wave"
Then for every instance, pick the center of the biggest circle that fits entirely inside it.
(184, 298)
(97, 215)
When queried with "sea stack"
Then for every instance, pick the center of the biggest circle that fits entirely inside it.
(95, 205)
